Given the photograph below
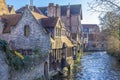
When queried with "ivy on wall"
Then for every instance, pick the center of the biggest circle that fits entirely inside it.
(17, 61)
(12, 60)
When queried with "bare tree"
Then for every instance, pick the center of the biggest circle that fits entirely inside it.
(110, 22)
(105, 5)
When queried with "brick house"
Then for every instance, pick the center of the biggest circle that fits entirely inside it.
(24, 33)
(90, 34)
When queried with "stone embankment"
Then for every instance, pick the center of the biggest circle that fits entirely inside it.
(4, 68)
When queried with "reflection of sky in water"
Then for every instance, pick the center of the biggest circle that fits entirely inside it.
(99, 66)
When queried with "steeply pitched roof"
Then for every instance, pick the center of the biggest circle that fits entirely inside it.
(57, 43)
(10, 20)
(43, 10)
(74, 9)
(11, 9)
(49, 22)
(67, 41)
(34, 8)
(38, 16)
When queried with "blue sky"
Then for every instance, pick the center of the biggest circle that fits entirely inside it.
(88, 17)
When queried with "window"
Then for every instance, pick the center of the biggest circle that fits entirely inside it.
(56, 32)
(91, 30)
(26, 30)
(86, 29)
(85, 35)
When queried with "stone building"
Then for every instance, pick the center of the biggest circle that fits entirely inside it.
(90, 34)
(30, 29)
(61, 45)
(24, 33)
(59, 36)
(71, 16)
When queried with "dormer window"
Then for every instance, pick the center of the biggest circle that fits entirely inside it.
(26, 30)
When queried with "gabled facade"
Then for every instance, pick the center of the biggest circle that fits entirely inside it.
(11, 9)
(61, 45)
(25, 34)
(71, 16)
(28, 20)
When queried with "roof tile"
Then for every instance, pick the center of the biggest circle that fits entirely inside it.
(10, 20)
(49, 22)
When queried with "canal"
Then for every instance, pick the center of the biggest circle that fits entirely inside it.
(97, 66)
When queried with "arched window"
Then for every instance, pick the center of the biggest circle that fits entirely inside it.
(26, 30)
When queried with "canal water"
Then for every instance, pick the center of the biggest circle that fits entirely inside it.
(97, 66)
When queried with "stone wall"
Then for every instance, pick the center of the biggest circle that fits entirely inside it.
(4, 69)
(8, 74)
(38, 37)
(35, 72)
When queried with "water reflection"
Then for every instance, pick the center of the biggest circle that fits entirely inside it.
(96, 66)
(99, 66)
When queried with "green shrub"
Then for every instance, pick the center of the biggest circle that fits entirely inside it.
(13, 60)
(113, 46)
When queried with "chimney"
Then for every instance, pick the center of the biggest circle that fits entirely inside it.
(58, 11)
(27, 6)
(32, 8)
(68, 11)
(51, 10)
